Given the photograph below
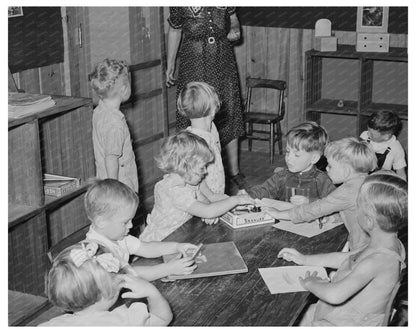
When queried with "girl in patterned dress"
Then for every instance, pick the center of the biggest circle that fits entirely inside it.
(183, 193)
(202, 37)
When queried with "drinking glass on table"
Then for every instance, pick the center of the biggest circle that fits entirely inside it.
(297, 195)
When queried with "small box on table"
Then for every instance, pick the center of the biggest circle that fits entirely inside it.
(57, 186)
(238, 218)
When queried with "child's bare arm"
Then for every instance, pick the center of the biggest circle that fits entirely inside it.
(111, 166)
(157, 304)
(220, 207)
(339, 292)
(211, 196)
(177, 266)
(330, 260)
(157, 249)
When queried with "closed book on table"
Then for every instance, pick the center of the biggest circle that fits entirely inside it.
(213, 260)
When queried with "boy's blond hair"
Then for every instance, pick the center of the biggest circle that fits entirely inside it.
(384, 197)
(198, 100)
(105, 75)
(105, 197)
(73, 288)
(184, 153)
(356, 153)
(307, 136)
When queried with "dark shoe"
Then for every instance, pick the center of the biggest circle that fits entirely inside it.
(239, 180)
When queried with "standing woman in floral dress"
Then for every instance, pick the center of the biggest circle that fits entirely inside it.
(206, 55)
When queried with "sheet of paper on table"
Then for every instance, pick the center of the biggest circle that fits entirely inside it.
(285, 279)
(307, 229)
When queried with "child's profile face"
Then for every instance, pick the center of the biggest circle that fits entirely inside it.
(336, 171)
(196, 177)
(119, 224)
(377, 136)
(300, 160)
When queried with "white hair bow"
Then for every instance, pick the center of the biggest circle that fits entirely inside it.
(88, 251)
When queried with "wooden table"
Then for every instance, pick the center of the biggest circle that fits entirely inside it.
(242, 299)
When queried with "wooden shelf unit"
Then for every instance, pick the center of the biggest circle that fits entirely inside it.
(56, 141)
(361, 108)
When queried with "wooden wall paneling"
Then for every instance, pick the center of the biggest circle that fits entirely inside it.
(52, 79)
(295, 84)
(398, 40)
(29, 81)
(24, 159)
(27, 256)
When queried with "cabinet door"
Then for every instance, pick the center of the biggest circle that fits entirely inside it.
(136, 35)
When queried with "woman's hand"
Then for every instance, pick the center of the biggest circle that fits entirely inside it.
(293, 255)
(233, 35)
(170, 80)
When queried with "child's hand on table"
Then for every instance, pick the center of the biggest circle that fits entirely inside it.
(293, 255)
(139, 287)
(299, 200)
(244, 199)
(242, 192)
(181, 266)
(182, 248)
(210, 221)
(275, 213)
(311, 278)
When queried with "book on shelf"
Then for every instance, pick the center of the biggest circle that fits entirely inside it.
(57, 186)
(23, 104)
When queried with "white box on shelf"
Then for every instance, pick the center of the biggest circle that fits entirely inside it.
(373, 42)
(57, 186)
(325, 43)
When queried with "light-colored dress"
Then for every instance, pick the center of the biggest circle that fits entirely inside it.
(111, 136)
(215, 177)
(134, 315)
(173, 197)
(356, 311)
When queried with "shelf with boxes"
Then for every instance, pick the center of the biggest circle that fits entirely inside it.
(359, 74)
(55, 141)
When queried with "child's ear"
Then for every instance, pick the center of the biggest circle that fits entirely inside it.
(315, 157)
(99, 222)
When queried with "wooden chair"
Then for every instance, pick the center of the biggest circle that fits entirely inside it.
(272, 118)
(72, 239)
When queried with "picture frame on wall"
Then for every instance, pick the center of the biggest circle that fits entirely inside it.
(14, 11)
(372, 19)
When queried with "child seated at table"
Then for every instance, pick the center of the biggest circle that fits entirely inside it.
(199, 102)
(349, 162)
(183, 193)
(110, 206)
(359, 291)
(300, 182)
(86, 282)
(380, 134)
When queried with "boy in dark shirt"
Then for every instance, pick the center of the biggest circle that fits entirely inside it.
(301, 182)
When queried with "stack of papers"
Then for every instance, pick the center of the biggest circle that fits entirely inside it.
(22, 104)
